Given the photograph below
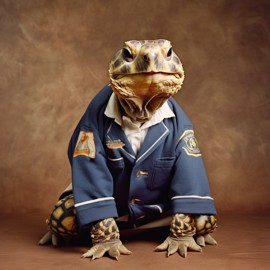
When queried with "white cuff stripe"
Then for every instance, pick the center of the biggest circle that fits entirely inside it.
(192, 196)
(115, 159)
(94, 201)
(158, 207)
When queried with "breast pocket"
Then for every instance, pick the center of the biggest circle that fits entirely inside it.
(162, 172)
(116, 166)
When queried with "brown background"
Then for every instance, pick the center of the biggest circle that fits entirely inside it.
(54, 57)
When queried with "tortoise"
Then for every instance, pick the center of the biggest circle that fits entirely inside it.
(143, 75)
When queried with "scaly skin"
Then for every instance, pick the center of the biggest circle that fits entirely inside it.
(144, 74)
(105, 230)
(106, 238)
(183, 228)
(204, 226)
(182, 225)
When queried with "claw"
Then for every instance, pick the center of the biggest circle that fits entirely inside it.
(99, 252)
(173, 247)
(90, 252)
(200, 240)
(49, 236)
(45, 239)
(54, 240)
(114, 253)
(124, 250)
(183, 251)
(114, 250)
(162, 246)
(193, 246)
(181, 244)
(210, 240)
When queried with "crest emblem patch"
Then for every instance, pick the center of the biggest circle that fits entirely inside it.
(191, 146)
(115, 144)
(85, 145)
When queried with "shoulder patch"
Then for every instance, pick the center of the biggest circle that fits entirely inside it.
(190, 145)
(85, 145)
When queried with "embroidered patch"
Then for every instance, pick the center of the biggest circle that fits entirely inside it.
(85, 145)
(114, 144)
(191, 146)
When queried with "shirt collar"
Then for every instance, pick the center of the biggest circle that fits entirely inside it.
(112, 111)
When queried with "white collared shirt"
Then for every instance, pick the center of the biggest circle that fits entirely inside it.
(135, 131)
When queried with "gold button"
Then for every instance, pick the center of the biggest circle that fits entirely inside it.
(140, 173)
(135, 201)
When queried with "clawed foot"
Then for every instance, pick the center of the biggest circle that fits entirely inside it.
(184, 244)
(49, 237)
(114, 248)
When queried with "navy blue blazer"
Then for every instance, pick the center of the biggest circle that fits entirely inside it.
(109, 180)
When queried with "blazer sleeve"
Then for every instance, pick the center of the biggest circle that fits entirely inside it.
(190, 187)
(91, 179)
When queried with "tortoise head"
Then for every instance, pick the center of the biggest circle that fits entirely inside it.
(144, 74)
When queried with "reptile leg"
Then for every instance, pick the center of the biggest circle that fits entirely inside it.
(62, 223)
(204, 226)
(46, 238)
(106, 238)
(181, 236)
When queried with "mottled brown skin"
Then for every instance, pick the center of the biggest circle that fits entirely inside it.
(143, 75)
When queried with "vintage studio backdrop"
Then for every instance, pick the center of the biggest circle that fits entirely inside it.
(54, 58)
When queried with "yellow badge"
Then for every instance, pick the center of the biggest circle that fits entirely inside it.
(190, 146)
(85, 145)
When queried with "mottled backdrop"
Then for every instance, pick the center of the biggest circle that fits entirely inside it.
(54, 58)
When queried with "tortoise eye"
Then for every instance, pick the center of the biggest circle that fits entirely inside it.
(127, 54)
(169, 53)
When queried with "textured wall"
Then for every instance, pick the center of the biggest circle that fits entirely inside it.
(54, 58)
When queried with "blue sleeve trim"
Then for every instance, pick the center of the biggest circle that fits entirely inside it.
(194, 206)
(96, 211)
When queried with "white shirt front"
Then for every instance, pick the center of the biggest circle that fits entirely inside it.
(135, 131)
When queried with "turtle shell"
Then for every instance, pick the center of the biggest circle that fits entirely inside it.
(63, 219)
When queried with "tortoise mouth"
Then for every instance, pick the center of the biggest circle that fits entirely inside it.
(145, 74)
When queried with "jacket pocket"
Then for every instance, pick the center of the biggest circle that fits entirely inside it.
(116, 162)
(162, 172)
(116, 166)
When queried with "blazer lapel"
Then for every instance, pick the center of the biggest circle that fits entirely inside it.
(155, 136)
(117, 138)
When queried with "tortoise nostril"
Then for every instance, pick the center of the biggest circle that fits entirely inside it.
(146, 58)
